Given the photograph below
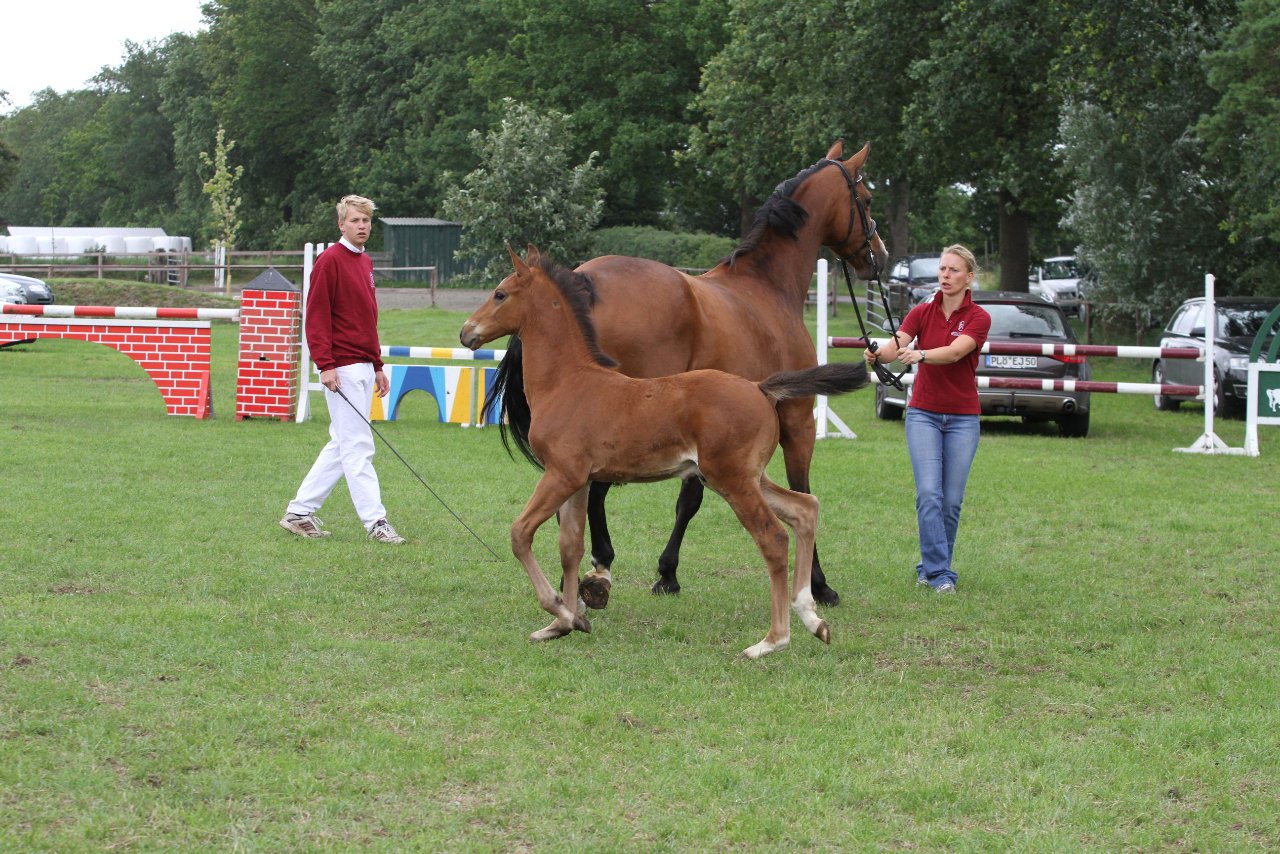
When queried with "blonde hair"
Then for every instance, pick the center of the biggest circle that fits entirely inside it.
(360, 203)
(964, 254)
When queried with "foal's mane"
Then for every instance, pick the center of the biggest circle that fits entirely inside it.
(579, 291)
(780, 213)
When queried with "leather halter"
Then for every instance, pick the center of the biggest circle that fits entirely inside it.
(864, 219)
(868, 224)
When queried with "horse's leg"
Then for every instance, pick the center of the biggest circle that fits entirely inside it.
(748, 503)
(795, 420)
(800, 511)
(597, 583)
(550, 493)
(687, 506)
(573, 515)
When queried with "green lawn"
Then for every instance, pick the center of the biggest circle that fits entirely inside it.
(177, 673)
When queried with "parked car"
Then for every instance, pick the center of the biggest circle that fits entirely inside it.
(12, 293)
(1238, 322)
(1024, 319)
(916, 276)
(1059, 279)
(34, 291)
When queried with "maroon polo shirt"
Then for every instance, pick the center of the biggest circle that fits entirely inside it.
(950, 389)
(342, 310)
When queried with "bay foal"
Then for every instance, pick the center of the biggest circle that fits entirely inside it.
(589, 422)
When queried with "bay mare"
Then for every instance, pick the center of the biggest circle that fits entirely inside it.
(589, 422)
(744, 316)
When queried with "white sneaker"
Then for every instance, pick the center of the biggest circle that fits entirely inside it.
(308, 525)
(382, 532)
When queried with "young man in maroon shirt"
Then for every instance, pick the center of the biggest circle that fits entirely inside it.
(342, 334)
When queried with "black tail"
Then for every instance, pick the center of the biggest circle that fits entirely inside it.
(514, 417)
(839, 378)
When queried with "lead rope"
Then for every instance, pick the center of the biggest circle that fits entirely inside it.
(418, 476)
(886, 376)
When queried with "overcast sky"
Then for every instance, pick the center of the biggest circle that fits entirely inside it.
(61, 44)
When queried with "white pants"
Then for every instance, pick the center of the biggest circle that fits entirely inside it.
(349, 452)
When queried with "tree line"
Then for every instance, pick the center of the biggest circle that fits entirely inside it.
(1141, 134)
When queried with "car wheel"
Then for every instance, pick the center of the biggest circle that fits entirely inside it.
(1223, 407)
(1074, 426)
(885, 410)
(1163, 403)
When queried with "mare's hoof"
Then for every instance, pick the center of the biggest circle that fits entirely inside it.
(826, 596)
(663, 587)
(594, 590)
(823, 633)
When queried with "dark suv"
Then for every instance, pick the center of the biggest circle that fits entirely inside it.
(1238, 322)
(1022, 319)
(916, 276)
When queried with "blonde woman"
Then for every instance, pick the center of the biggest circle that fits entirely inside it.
(943, 337)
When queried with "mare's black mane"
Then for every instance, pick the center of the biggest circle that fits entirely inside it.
(779, 213)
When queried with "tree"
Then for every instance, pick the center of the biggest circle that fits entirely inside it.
(984, 114)
(222, 190)
(38, 134)
(1242, 135)
(404, 103)
(117, 168)
(275, 99)
(187, 102)
(1143, 198)
(782, 89)
(625, 71)
(525, 191)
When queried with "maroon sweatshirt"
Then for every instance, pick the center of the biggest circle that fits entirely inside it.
(342, 310)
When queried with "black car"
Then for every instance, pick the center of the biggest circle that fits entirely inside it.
(34, 291)
(1023, 319)
(916, 276)
(1238, 322)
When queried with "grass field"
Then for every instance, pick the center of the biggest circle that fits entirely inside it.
(177, 673)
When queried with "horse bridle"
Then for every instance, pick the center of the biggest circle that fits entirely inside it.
(868, 224)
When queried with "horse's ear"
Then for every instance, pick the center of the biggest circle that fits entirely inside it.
(836, 151)
(857, 161)
(521, 268)
(531, 254)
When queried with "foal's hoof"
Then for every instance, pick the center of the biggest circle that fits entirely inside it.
(665, 586)
(823, 633)
(826, 596)
(594, 590)
(553, 631)
(582, 624)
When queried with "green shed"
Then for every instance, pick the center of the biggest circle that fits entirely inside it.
(415, 241)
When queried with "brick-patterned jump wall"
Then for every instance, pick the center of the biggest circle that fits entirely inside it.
(270, 345)
(174, 353)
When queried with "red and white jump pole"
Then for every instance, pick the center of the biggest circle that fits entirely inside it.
(1208, 443)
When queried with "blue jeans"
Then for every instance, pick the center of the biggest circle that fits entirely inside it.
(941, 448)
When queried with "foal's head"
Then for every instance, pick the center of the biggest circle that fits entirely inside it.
(535, 291)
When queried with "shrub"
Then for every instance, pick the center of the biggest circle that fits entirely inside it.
(679, 249)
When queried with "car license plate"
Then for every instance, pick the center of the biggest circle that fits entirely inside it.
(1013, 361)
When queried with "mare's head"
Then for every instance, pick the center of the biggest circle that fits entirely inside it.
(536, 289)
(830, 195)
(859, 243)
